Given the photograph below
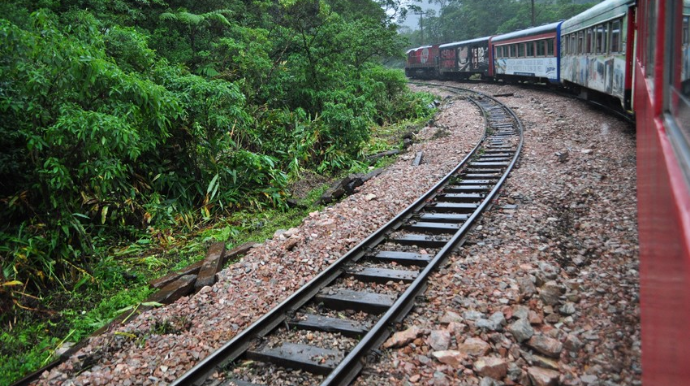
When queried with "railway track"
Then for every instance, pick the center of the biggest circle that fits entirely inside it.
(332, 324)
(616, 111)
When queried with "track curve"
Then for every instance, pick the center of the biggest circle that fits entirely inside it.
(438, 221)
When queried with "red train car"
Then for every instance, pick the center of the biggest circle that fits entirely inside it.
(422, 62)
(461, 60)
(662, 106)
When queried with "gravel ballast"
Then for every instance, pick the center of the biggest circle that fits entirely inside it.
(544, 292)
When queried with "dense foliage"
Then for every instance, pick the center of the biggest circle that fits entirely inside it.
(458, 20)
(127, 115)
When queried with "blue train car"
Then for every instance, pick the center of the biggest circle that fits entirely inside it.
(597, 52)
(529, 55)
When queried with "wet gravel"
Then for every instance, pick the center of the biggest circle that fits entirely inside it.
(142, 353)
(544, 292)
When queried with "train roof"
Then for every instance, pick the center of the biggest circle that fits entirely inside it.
(455, 44)
(608, 10)
(551, 27)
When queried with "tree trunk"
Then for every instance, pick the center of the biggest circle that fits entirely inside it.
(534, 21)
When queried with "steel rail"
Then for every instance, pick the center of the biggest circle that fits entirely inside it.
(350, 366)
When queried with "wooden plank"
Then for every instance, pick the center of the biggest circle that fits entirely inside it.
(345, 327)
(418, 159)
(404, 258)
(481, 175)
(433, 227)
(175, 290)
(461, 197)
(161, 282)
(478, 164)
(454, 207)
(238, 251)
(466, 188)
(299, 356)
(343, 299)
(477, 170)
(491, 158)
(382, 275)
(421, 240)
(237, 382)
(472, 181)
(212, 264)
(443, 217)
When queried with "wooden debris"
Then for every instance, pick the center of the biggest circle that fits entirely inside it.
(161, 282)
(418, 159)
(175, 290)
(238, 251)
(382, 154)
(211, 265)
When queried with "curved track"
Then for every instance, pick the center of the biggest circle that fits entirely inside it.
(329, 326)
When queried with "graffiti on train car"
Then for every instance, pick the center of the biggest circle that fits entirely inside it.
(601, 73)
(447, 58)
(425, 55)
(537, 67)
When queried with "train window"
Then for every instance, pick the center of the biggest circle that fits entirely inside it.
(679, 102)
(499, 52)
(598, 39)
(530, 49)
(616, 36)
(550, 43)
(605, 39)
(580, 42)
(650, 38)
(541, 48)
(573, 44)
(589, 45)
(520, 50)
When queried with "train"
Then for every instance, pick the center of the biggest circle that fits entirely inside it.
(633, 55)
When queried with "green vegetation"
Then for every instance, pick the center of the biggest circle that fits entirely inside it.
(134, 133)
(458, 20)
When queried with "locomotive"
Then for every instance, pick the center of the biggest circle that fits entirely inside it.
(633, 55)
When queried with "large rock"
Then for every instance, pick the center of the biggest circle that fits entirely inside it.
(550, 271)
(520, 312)
(542, 377)
(545, 345)
(403, 338)
(551, 292)
(475, 347)
(494, 323)
(526, 286)
(439, 340)
(545, 362)
(450, 317)
(452, 358)
(493, 367)
(572, 343)
(521, 330)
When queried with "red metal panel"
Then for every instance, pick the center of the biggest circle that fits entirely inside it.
(664, 230)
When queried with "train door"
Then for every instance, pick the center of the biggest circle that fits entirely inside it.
(630, 31)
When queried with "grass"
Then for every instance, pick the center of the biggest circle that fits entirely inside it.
(120, 280)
